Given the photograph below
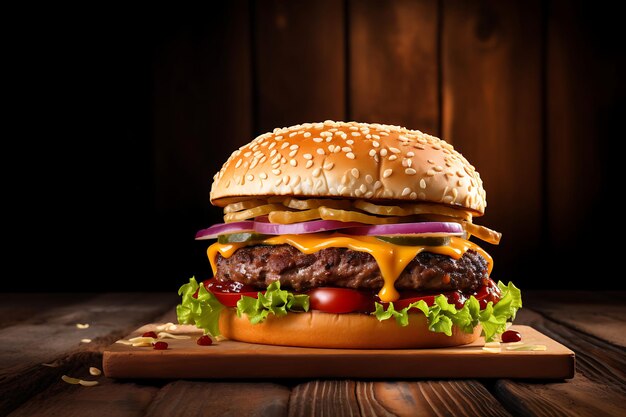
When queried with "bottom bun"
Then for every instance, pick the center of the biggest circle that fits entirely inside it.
(325, 330)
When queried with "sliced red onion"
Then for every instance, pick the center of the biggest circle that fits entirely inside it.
(303, 227)
(225, 228)
(447, 228)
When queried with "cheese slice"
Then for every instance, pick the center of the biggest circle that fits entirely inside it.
(391, 258)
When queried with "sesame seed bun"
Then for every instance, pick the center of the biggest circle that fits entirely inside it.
(341, 331)
(350, 160)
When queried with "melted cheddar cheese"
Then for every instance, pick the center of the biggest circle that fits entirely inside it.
(391, 259)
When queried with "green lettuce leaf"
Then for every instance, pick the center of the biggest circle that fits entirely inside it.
(442, 315)
(203, 311)
(274, 301)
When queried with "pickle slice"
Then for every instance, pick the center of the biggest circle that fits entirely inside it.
(416, 240)
(240, 237)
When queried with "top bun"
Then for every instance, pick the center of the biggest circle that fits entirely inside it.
(350, 160)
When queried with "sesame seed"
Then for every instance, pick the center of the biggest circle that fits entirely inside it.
(369, 194)
(284, 145)
(317, 172)
(307, 156)
(406, 191)
(363, 188)
(387, 173)
(350, 155)
(368, 136)
(376, 144)
(344, 179)
(422, 184)
(263, 159)
(430, 173)
(277, 183)
(286, 180)
(309, 163)
(238, 164)
(355, 172)
(410, 171)
(328, 166)
(276, 171)
(357, 192)
(350, 142)
(317, 140)
(369, 179)
(292, 147)
(254, 162)
(392, 157)
(383, 152)
(249, 177)
(376, 137)
(328, 139)
(356, 134)
(320, 151)
(293, 162)
(410, 154)
(438, 168)
(271, 145)
(331, 148)
(292, 134)
(394, 150)
(324, 134)
(418, 146)
(372, 152)
(307, 134)
(384, 133)
(377, 185)
(346, 149)
(293, 153)
(337, 149)
(263, 175)
(413, 195)
(247, 154)
(283, 160)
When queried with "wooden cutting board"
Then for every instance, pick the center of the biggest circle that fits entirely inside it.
(231, 359)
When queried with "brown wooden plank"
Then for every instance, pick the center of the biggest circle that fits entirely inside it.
(394, 68)
(597, 389)
(108, 398)
(299, 50)
(185, 398)
(21, 307)
(393, 398)
(585, 107)
(599, 313)
(201, 112)
(53, 337)
(230, 359)
(427, 398)
(492, 114)
(324, 398)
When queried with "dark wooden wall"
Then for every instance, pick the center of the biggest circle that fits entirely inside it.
(134, 111)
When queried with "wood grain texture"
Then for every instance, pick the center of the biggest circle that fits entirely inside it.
(585, 108)
(426, 398)
(185, 398)
(324, 398)
(492, 101)
(597, 389)
(107, 399)
(52, 337)
(600, 313)
(17, 307)
(394, 63)
(300, 63)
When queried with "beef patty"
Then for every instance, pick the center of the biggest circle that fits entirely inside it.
(260, 265)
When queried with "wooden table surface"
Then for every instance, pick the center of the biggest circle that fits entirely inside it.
(38, 329)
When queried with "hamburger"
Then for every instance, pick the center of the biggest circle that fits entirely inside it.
(349, 235)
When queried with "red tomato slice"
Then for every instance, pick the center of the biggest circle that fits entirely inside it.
(340, 300)
(229, 294)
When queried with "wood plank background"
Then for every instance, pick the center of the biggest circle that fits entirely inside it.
(131, 114)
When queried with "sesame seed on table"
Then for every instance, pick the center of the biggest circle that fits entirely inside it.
(40, 344)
